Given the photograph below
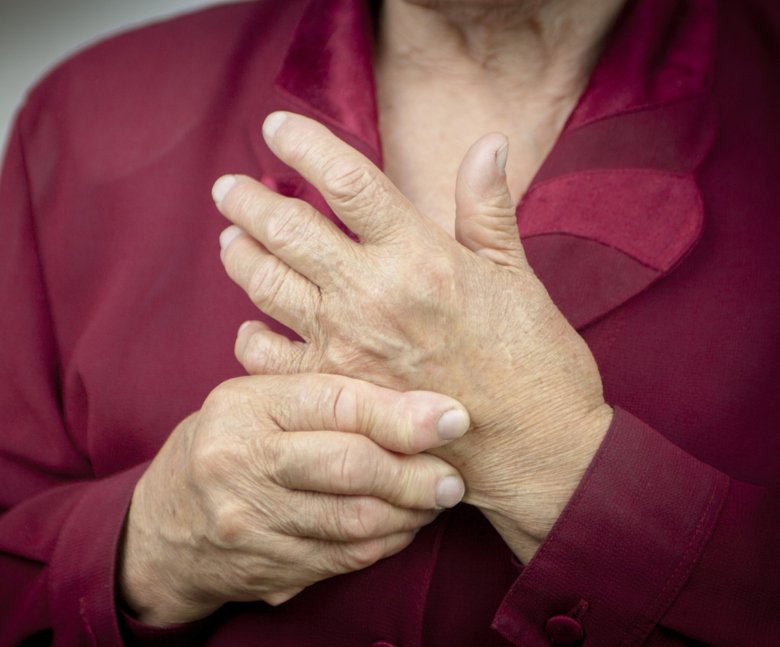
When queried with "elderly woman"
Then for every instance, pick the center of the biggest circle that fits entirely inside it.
(602, 396)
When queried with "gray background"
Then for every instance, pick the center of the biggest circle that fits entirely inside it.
(35, 34)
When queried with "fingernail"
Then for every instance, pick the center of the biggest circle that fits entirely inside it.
(244, 326)
(449, 491)
(501, 155)
(228, 235)
(221, 188)
(272, 123)
(453, 424)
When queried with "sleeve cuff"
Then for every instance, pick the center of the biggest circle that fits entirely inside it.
(622, 548)
(82, 573)
(137, 633)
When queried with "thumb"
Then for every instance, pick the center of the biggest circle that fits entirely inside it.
(485, 219)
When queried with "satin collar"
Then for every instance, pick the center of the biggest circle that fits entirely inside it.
(615, 206)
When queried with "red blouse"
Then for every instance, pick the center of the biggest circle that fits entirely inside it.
(653, 222)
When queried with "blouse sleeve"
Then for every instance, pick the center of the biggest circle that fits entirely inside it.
(655, 547)
(59, 526)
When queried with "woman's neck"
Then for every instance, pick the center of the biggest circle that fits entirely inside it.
(450, 73)
(528, 46)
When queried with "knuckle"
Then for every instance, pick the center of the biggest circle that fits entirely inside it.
(440, 279)
(410, 484)
(428, 287)
(257, 355)
(212, 454)
(287, 224)
(325, 399)
(225, 398)
(266, 280)
(299, 147)
(405, 431)
(358, 467)
(345, 407)
(228, 527)
(408, 442)
(360, 517)
(211, 461)
(496, 206)
(214, 400)
(243, 201)
(361, 554)
(346, 179)
(268, 458)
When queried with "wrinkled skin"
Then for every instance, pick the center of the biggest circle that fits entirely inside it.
(409, 307)
(279, 482)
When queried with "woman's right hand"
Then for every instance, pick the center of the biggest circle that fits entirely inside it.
(279, 482)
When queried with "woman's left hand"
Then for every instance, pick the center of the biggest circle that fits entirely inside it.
(408, 307)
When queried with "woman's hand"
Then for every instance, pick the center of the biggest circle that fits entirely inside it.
(409, 307)
(277, 483)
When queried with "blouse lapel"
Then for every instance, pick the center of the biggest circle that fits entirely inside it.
(616, 205)
(327, 72)
(598, 238)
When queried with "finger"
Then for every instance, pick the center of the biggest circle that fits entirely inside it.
(272, 285)
(485, 219)
(348, 464)
(362, 196)
(406, 422)
(347, 518)
(348, 557)
(311, 560)
(289, 228)
(261, 351)
(335, 558)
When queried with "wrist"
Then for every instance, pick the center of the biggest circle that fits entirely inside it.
(153, 597)
(525, 507)
(147, 589)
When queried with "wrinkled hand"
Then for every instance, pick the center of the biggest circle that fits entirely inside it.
(279, 482)
(409, 307)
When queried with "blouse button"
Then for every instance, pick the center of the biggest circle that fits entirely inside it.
(564, 631)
